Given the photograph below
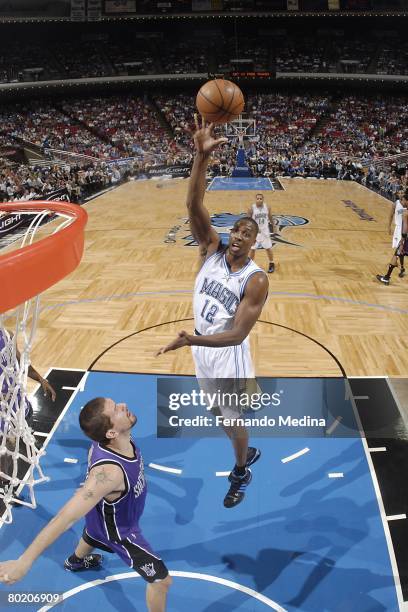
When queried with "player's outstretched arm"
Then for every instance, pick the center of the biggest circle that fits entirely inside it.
(101, 481)
(200, 223)
(48, 390)
(32, 373)
(245, 318)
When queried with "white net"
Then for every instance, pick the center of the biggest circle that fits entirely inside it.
(240, 128)
(19, 453)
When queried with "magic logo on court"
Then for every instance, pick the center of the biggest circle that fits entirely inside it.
(224, 222)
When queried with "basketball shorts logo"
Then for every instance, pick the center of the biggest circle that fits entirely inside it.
(148, 569)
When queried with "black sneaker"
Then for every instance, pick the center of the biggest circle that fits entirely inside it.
(402, 273)
(271, 268)
(383, 279)
(88, 562)
(236, 492)
(252, 456)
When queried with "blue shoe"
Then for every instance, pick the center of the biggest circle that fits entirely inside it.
(88, 562)
(236, 492)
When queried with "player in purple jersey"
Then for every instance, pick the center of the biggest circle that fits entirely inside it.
(112, 500)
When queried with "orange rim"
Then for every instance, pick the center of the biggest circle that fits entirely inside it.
(30, 270)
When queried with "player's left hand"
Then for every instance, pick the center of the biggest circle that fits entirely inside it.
(13, 571)
(181, 340)
(48, 390)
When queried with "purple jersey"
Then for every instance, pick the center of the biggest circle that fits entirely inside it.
(5, 387)
(116, 520)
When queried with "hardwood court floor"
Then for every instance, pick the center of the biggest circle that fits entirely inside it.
(323, 297)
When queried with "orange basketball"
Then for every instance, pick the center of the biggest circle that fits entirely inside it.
(220, 101)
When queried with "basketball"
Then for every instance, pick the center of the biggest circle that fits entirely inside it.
(220, 101)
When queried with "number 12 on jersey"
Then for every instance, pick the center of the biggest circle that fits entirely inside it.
(208, 313)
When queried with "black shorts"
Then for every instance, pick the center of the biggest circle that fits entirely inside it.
(134, 551)
(402, 248)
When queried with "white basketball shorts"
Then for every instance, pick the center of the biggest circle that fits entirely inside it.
(396, 239)
(262, 242)
(224, 370)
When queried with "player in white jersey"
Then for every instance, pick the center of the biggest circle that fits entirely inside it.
(399, 213)
(396, 217)
(230, 291)
(261, 213)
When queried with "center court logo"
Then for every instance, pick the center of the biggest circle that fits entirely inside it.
(224, 222)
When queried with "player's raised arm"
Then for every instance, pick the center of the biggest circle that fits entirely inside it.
(200, 223)
(102, 480)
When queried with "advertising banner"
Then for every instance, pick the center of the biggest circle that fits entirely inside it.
(176, 170)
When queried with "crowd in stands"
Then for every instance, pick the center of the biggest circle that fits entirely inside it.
(37, 182)
(107, 55)
(285, 122)
(179, 113)
(366, 127)
(127, 124)
(309, 135)
(45, 126)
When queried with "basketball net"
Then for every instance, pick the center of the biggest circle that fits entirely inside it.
(19, 454)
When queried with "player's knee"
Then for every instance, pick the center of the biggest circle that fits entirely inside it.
(167, 582)
(162, 585)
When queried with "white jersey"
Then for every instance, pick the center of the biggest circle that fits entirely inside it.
(399, 209)
(218, 293)
(261, 216)
(398, 212)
